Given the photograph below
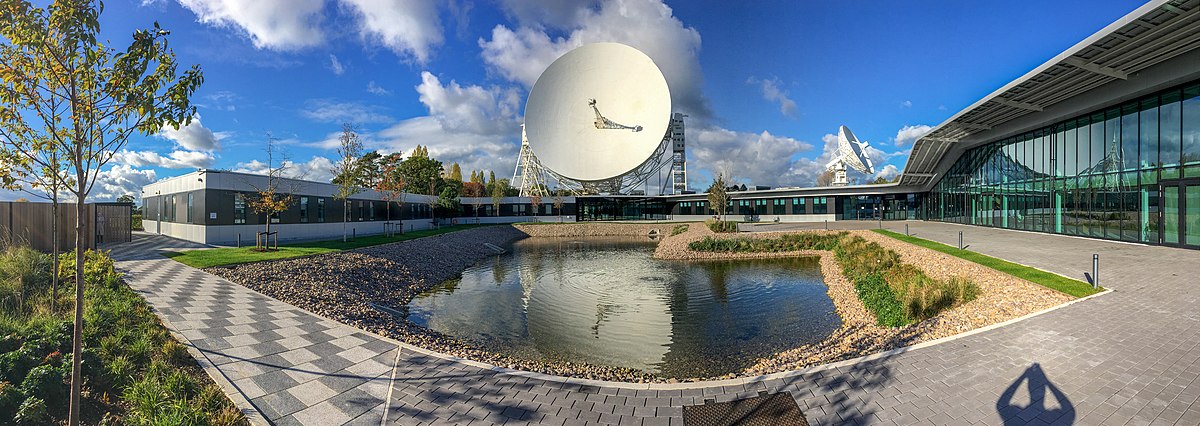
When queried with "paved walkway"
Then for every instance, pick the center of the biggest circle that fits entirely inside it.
(1128, 357)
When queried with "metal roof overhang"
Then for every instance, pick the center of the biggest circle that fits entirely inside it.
(1153, 33)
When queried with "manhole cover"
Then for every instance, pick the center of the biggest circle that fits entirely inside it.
(774, 409)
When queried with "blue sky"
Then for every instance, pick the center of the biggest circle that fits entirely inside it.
(765, 83)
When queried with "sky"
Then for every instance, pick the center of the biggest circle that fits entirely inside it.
(765, 84)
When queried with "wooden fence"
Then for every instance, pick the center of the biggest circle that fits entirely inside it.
(30, 223)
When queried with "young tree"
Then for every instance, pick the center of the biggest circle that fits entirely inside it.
(272, 199)
(455, 172)
(433, 200)
(498, 189)
(346, 171)
(535, 202)
(475, 190)
(718, 196)
(86, 99)
(391, 185)
(825, 178)
(558, 203)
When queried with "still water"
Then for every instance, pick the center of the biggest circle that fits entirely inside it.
(604, 300)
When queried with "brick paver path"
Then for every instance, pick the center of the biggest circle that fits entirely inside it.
(1128, 357)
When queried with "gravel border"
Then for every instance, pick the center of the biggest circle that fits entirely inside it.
(343, 286)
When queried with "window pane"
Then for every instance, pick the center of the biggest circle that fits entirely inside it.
(1191, 125)
(1169, 127)
(1148, 134)
(1129, 137)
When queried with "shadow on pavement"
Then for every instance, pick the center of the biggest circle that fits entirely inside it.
(1038, 384)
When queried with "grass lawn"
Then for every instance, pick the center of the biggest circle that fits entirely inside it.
(1058, 282)
(206, 258)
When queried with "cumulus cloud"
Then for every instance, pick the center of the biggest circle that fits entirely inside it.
(376, 89)
(270, 24)
(474, 109)
(909, 134)
(754, 158)
(557, 14)
(317, 168)
(121, 179)
(332, 111)
(521, 54)
(335, 65)
(177, 159)
(193, 136)
(772, 93)
(804, 171)
(888, 172)
(407, 27)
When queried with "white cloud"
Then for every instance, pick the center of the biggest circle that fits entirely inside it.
(906, 104)
(473, 109)
(121, 179)
(887, 172)
(407, 27)
(558, 14)
(909, 134)
(753, 158)
(328, 110)
(335, 65)
(772, 92)
(177, 159)
(376, 89)
(194, 136)
(522, 54)
(270, 24)
(221, 100)
(317, 168)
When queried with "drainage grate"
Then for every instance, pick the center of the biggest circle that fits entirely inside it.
(774, 409)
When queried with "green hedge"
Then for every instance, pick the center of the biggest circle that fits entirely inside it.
(133, 369)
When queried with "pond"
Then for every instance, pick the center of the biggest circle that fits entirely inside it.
(605, 301)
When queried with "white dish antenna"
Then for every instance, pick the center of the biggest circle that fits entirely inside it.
(598, 112)
(850, 153)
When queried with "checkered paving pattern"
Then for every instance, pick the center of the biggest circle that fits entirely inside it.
(1129, 357)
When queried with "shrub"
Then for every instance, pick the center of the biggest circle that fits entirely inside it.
(24, 276)
(10, 400)
(721, 226)
(878, 297)
(32, 412)
(135, 222)
(48, 383)
(785, 243)
(679, 229)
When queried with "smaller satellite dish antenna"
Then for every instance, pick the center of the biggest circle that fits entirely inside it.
(850, 153)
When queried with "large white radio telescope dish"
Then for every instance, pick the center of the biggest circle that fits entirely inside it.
(598, 112)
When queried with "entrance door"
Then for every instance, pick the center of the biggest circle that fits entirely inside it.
(1181, 213)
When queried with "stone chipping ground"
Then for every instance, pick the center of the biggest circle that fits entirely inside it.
(347, 287)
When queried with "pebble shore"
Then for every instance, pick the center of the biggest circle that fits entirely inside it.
(343, 286)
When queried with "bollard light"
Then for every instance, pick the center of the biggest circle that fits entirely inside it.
(960, 242)
(906, 234)
(1095, 270)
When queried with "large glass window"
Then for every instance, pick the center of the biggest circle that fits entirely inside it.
(189, 208)
(303, 209)
(1169, 127)
(1191, 128)
(819, 206)
(320, 210)
(239, 208)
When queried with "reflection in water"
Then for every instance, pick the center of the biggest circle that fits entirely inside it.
(604, 301)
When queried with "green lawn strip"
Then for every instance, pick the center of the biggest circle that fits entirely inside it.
(1051, 280)
(206, 258)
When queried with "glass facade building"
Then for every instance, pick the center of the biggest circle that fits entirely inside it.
(1128, 172)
